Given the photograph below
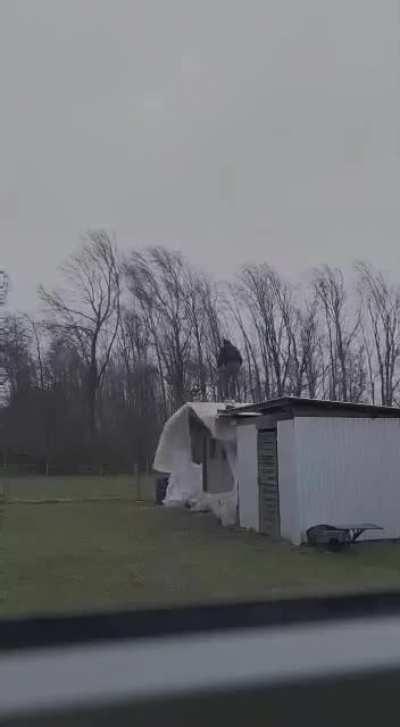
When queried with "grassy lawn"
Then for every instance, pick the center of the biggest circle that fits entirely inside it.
(85, 553)
(42, 488)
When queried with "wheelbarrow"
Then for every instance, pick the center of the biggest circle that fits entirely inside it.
(337, 537)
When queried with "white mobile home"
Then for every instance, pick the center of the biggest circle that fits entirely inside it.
(305, 462)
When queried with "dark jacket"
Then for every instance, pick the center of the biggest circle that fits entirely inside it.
(228, 354)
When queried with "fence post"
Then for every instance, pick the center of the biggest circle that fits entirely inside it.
(138, 483)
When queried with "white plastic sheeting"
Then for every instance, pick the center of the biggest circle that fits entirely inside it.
(174, 456)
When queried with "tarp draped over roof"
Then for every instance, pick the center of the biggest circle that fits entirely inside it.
(174, 456)
(174, 446)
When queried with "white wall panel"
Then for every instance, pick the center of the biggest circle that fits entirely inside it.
(287, 481)
(348, 470)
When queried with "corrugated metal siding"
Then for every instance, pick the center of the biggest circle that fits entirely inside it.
(247, 474)
(268, 483)
(349, 470)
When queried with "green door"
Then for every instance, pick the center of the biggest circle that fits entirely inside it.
(268, 491)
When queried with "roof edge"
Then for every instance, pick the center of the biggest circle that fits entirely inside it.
(294, 402)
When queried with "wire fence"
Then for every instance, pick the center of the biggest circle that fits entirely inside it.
(33, 468)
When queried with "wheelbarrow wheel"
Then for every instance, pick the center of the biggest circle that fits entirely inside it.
(335, 545)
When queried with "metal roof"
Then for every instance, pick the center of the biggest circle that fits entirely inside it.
(294, 403)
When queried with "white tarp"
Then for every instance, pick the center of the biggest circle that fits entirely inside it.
(174, 456)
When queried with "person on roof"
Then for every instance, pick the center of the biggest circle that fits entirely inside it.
(228, 365)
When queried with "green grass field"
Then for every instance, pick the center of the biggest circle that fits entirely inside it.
(66, 549)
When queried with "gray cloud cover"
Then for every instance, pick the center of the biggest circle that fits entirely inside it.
(233, 130)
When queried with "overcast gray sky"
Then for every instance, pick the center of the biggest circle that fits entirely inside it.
(233, 130)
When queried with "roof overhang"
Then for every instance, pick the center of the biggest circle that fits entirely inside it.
(298, 406)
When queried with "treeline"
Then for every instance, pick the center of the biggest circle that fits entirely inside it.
(124, 341)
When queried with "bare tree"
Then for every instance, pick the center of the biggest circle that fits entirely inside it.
(309, 345)
(267, 306)
(342, 326)
(107, 369)
(131, 416)
(86, 310)
(4, 286)
(17, 358)
(381, 305)
(205, 305)
(159, 281)
(253, 387)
